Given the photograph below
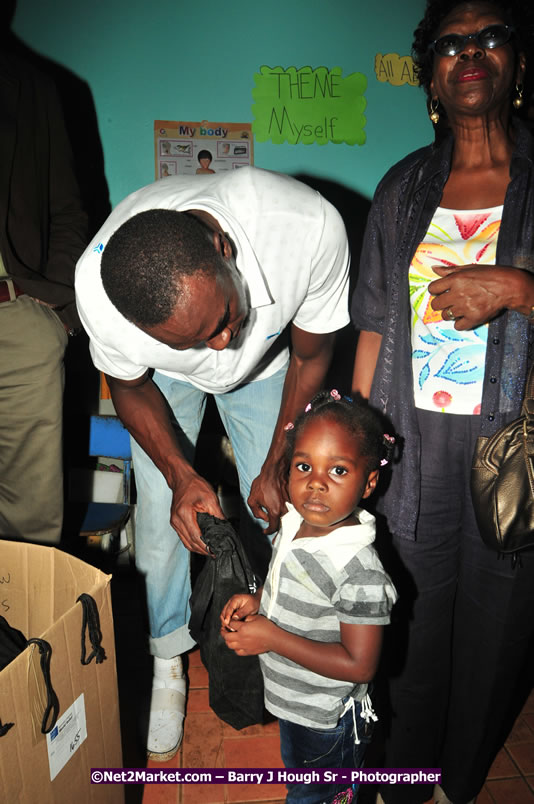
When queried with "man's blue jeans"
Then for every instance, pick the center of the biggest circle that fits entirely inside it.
(307, 748)
(249, 415)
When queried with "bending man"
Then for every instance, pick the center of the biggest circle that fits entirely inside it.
(200, 279)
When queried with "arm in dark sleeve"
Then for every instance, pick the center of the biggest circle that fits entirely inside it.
(370, 296)
(368, 302)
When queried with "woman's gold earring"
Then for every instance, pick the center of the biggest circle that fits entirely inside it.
(518, 100)
(434, 114)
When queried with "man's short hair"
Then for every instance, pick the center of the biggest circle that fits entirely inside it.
(146, 260)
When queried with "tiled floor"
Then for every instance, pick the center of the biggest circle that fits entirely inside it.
(511, 777)
(210, 743)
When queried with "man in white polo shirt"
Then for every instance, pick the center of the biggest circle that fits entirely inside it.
(192, 287)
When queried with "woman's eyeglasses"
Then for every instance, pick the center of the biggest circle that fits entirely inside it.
(488, 38)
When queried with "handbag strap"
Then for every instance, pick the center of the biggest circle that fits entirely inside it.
(91, 624)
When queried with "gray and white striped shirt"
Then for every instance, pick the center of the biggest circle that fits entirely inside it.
(313, 585)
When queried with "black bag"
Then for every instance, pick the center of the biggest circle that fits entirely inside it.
(502, 481)
(13, 642)
(235, 682)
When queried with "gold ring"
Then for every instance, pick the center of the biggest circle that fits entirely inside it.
(450, 315)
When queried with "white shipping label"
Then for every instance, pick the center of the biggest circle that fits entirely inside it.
(66, 737)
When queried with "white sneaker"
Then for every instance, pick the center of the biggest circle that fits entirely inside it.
(167, 709)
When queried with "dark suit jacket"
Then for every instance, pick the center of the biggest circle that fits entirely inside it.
(43, 228)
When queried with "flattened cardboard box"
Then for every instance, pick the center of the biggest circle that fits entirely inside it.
(39, 587)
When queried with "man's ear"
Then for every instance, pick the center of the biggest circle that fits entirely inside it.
(370, 486)
(222, 245)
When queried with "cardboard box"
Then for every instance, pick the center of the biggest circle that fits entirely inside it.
(39, 587)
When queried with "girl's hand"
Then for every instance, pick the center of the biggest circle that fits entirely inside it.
(239, 607)
(249, 637)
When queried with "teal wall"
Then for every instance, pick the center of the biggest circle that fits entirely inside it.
(177, 60)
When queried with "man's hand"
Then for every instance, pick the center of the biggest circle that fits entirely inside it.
(189, 497)
(310, 358)
(269, 494)
(144, 412)
(249, 637)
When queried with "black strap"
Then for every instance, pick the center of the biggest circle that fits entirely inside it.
(91, 623)
(253, 582)
(52, 704)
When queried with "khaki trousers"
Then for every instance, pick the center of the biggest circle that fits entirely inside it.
(32, 346)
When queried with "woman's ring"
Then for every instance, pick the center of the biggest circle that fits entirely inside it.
(450, 315)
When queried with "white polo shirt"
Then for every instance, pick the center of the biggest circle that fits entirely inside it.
(292, 252)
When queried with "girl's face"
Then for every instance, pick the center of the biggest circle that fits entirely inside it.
(327, 477)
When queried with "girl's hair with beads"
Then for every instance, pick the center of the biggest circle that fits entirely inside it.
(361, 421)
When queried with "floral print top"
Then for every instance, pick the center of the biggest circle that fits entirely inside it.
(448, 365)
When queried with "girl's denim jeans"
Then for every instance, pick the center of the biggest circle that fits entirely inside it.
(307, 748)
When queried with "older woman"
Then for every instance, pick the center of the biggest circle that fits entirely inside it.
(445, 306)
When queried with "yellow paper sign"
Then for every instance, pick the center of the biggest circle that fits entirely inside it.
(395, 69)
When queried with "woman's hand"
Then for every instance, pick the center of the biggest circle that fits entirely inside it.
(474, 294)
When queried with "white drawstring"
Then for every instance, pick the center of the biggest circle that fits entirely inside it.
(367, 713)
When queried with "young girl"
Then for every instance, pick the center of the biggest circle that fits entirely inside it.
(326, 597)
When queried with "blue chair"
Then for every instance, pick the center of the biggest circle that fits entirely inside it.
(108, 438)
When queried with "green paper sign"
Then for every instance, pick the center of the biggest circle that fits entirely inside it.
(306, 106)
